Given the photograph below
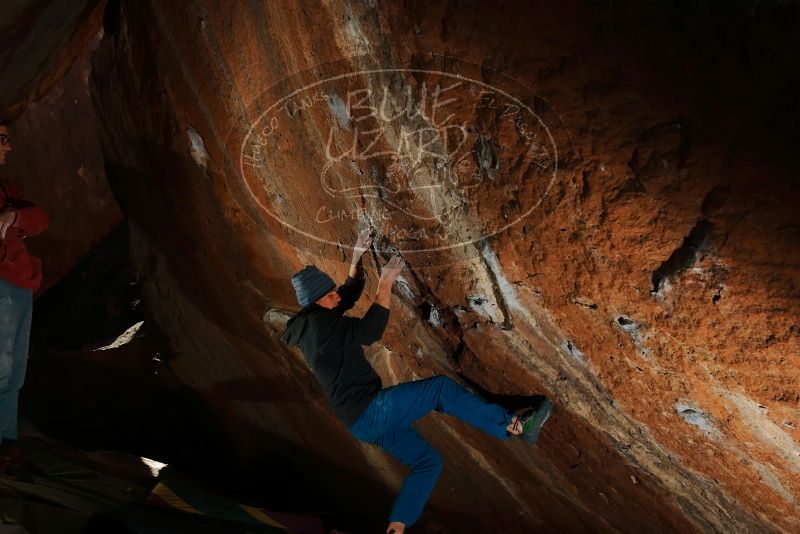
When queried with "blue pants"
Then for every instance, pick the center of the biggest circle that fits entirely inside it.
(16, 307)
(387, 423)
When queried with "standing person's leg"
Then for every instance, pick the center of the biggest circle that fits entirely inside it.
(407, 445)
(16, 306)
(9, 322)
(408, 402)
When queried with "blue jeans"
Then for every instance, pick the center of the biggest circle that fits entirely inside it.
(387, 423)
(16, 307)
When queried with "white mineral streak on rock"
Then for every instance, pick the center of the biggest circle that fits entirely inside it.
(197, 147)
(125, 338)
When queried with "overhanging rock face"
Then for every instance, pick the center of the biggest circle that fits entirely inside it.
(38, 43)
(589, 206)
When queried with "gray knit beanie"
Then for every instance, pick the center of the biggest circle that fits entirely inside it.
(311, 284)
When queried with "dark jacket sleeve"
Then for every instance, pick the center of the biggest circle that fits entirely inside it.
(350, 292)
(31, 219)
(368, 329)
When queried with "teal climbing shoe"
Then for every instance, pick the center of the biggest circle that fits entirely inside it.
(534, 418)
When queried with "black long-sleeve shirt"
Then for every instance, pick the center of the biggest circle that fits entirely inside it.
(331, 344)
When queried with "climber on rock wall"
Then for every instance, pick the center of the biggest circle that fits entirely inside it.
(20, 276)
(331, 343)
